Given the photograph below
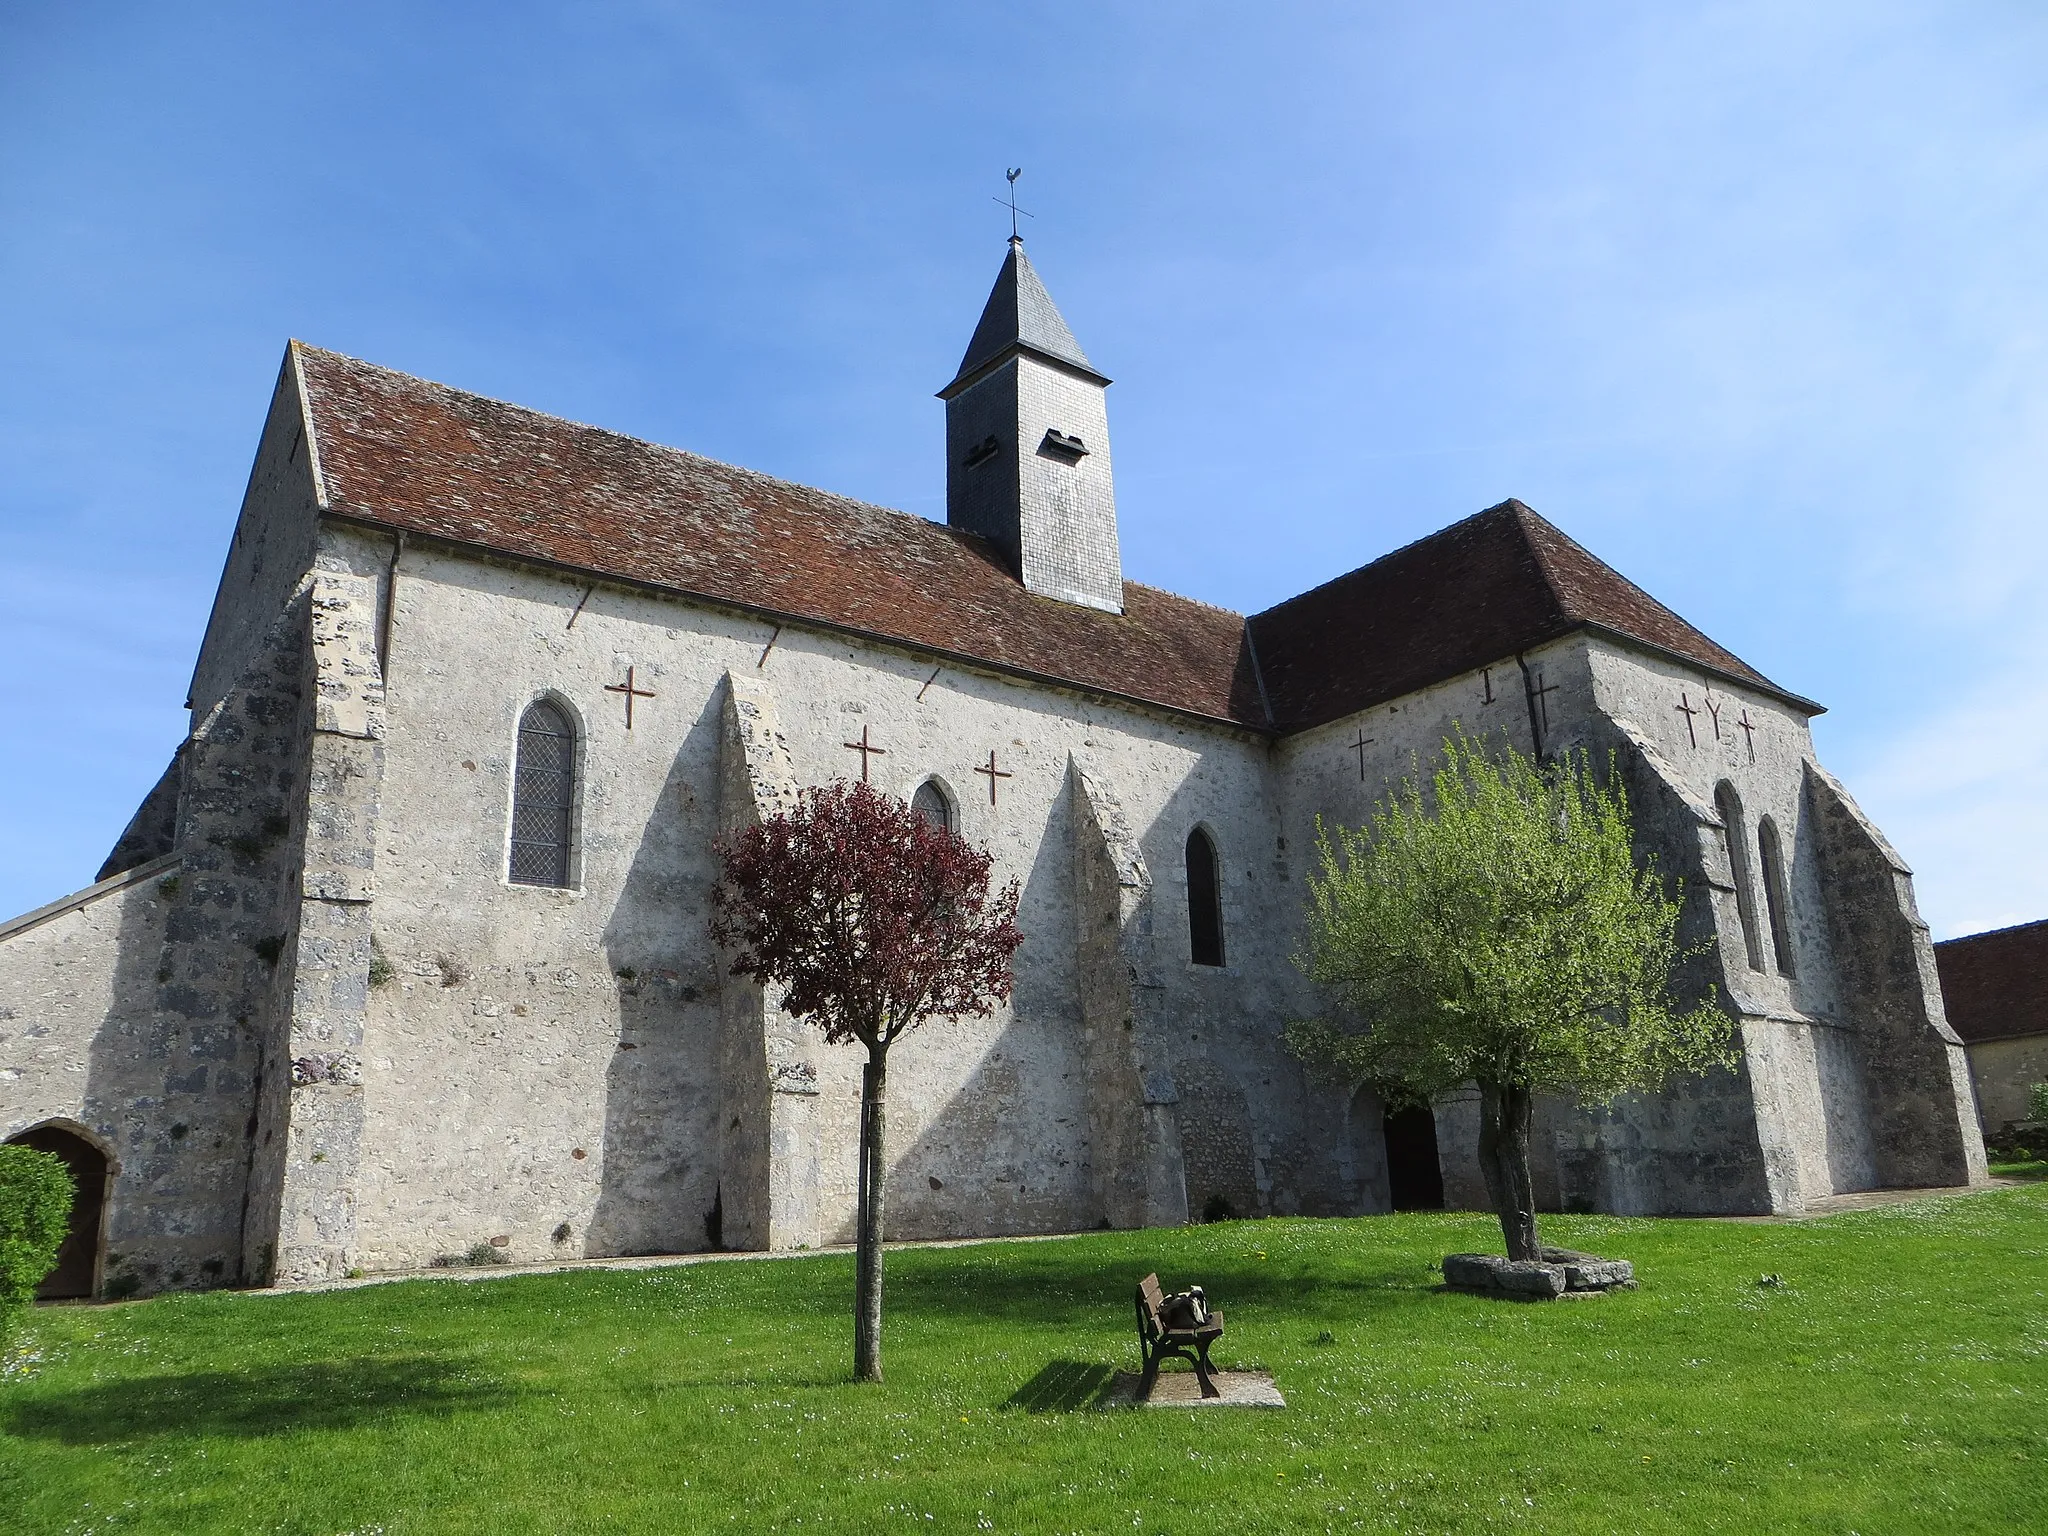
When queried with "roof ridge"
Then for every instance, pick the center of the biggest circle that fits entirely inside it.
(1415, 543)
(1532, 525)
(1182, 597)
(759, 475)
(1993, 933)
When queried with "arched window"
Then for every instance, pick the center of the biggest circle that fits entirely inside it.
(1775, 902)
(543, 796)
(1205, 904)
(1729, 804)
(932, 803)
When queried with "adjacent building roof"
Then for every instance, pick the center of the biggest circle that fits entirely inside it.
(1020, 316)
(421, 458)
(1996, 984)
(1480, 590)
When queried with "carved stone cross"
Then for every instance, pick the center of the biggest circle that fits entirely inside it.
(631, 694)
(993, 773)
(866, 749)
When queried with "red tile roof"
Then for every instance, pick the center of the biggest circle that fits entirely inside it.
(425, 459)
(406, 454)
(1996, 984)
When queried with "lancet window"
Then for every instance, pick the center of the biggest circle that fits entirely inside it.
(543, 796)
(1776, 901)
(934, 805)
(1729, 804)
(1205, 901)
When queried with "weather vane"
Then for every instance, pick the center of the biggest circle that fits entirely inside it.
(1011, 174)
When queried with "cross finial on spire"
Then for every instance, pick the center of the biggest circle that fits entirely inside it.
(1011, 174)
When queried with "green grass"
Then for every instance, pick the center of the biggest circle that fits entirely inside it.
(1893, 1383)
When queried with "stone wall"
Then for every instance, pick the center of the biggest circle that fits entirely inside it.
(2004, 1072)
(524, 1026)
(230, 953)
(312, 1117)
(174, 986)
(78, 983)
(1797, 1117)
(271, 552)
(1923, 1115)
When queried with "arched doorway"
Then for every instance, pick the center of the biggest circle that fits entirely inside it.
(1415, 1178)
(78, 1261)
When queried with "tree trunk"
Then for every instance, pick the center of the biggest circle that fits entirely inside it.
(1505, 1110)
(867, 1286)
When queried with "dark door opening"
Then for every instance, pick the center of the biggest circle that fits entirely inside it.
(79, 1258)
(1415, 1178)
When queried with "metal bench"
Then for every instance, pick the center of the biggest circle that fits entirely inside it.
(1157, 1339)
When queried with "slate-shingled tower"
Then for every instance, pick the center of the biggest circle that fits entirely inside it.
(314, 1017)
(1027, 445)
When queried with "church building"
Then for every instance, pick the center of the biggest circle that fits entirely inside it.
(406, 956)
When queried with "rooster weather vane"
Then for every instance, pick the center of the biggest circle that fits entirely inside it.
(1011, 174)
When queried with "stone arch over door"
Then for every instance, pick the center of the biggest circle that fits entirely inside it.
(1216, 1143)
(78, 1262)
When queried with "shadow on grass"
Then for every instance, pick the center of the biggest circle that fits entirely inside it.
(1064, 1386)
(1048, 1288)
(327, 1394)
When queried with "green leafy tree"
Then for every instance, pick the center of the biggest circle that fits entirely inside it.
(35, 1205)
(1498, 930)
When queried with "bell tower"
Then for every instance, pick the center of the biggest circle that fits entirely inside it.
(1027, 445)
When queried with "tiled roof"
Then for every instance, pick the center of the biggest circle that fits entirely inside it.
(1996, 984)
(425, 459)
(1476, 592)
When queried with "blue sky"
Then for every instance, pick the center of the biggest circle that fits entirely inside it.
(1748, 298)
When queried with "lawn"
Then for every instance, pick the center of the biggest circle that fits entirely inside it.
(1893, 1382)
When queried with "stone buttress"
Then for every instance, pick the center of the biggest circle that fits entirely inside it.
(311, 1112)
(1924, 1129)
(1133, 1107)
(769, 1136)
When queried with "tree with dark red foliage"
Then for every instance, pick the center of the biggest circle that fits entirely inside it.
(871, 919)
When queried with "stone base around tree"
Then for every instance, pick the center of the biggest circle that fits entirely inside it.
(1562, 1272)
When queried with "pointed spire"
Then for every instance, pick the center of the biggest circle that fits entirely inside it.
(1020, 316)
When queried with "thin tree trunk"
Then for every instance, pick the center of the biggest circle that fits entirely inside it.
(1505, 1110)
(867, 1287)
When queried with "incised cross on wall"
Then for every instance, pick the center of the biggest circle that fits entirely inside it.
(631, 694)
(866, 749)
(993, 773)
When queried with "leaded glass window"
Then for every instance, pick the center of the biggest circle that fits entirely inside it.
(931, 803)
(543, 796)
